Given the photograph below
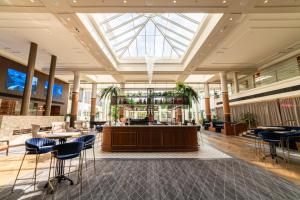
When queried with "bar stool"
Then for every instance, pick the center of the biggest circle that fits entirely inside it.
(88, 141)
(63, 152)
(35, 146)
(273, 139)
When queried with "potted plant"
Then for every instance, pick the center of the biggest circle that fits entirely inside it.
(186, 91)
(248, 118)
(111, 93)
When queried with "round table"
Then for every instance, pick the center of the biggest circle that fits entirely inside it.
(63, 136)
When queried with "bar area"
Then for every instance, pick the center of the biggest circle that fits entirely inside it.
(149, 120)
(149, 138)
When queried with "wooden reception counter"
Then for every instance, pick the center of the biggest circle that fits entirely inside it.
(149, 138)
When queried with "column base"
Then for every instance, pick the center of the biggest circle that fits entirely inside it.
(73, 118)
(92, 120)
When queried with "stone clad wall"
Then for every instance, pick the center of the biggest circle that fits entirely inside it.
(8, 123)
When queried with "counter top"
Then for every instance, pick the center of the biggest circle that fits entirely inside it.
(128, 126)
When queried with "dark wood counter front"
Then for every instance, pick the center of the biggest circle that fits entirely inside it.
(149, 138)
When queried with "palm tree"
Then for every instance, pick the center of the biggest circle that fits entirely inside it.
(187, 91)
(109, 93)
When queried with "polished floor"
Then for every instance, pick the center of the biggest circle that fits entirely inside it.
(224, 168)
(169, 179)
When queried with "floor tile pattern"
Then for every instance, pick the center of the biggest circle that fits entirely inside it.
(169, 179)
(205, 152)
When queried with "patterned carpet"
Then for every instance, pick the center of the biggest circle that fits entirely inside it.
(170, 179)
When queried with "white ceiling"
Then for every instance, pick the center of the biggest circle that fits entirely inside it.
(18, 29)
(249, 35)
(256, 37)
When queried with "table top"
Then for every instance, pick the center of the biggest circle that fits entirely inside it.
(63, 135)
(288, 133)
(270, 128)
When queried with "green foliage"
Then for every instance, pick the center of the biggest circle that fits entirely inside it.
(168, 94)
(184, 90)
(214, 117)
(109, 92)
(131, 102)
(187, 91)
(115, 113)
(248, 118)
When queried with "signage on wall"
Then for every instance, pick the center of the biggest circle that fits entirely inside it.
(15, 81)
(57, 90)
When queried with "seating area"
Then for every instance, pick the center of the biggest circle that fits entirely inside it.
(61, 151)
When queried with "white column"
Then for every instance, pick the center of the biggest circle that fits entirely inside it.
(75, 96)
(235, 82)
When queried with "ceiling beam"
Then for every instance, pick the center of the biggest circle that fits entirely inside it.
(164, 35)
(170, 30)
(126, 31)
(188, 18)
(124, 23)
(111, 18)
(176, 24)
(134, 37)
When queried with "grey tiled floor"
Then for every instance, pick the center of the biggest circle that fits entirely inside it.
(120, 179)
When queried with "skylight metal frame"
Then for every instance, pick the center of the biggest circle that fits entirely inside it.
(179, 48)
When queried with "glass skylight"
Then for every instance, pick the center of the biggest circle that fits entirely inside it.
(136, 35)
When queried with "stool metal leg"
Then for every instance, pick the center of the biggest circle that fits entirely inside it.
(69, 168)
(94, 158)
(35, 169)
(85, 159)
(12, 190)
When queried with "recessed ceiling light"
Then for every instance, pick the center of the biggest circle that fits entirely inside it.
(124, 1)
(224, 1)
(230, 18)
(174, 1)
(32, 1)
(68, 18)
(74, 1)
(266, 1)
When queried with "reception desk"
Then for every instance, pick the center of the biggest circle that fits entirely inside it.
(149, 138)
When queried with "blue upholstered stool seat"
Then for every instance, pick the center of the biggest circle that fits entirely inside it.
(39, 145)
(88, 141)
(67, 150)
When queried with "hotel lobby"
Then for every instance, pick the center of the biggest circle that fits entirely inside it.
(149, 99)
